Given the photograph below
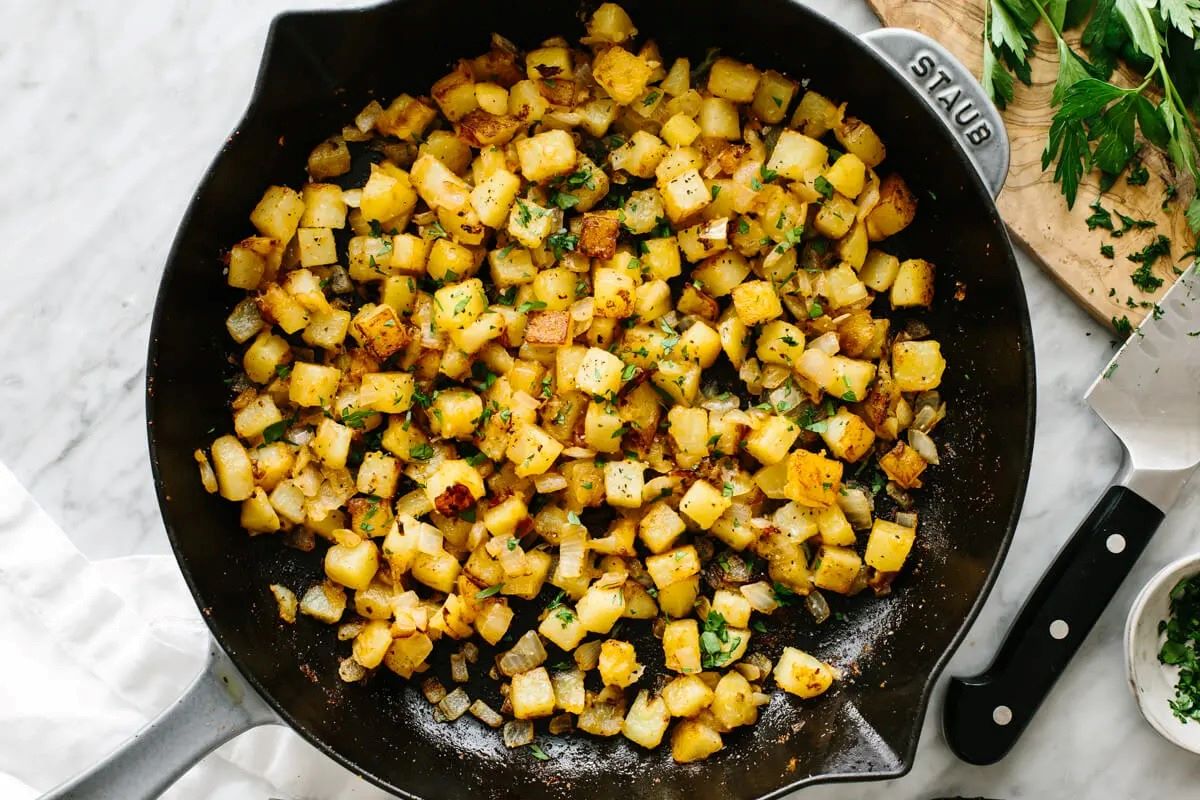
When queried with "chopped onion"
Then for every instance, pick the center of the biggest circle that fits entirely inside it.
(748, 671)
(572, 548)
(751, 374)
(725, 401)
(773, 376)
(518, 733)
(455, 704)
(906, 519)
(578, 452)
(244, 322)
(786, 398)
(549, 483)
(857, 505)
(601, 719)
(759, 660)
(486, 714)
(458, 668)
(902, 498)
(352, 197)
(429, 539)
(348, 630)
(925, 447)
(587, 655)
(351, 671)
(761, 596)
(470, 652)
(826, 342)
(562, 723)
(433, 690)
(208, 478)
(525, 655)
(816, 604)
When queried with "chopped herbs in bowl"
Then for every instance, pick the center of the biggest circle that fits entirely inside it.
(1182, 644)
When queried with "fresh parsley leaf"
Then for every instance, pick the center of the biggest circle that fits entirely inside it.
(530, 305)
(824, 187)
(275, 431)
(483, 594)
(421, 452)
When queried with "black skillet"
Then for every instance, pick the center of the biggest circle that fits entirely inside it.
(319, 69)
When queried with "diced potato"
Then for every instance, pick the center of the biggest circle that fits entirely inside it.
(842, 287)
(733, 607)
(614, 291)
(679, 598)
(661, 258)
(692, 740)
(801, 674)
(640, 156)
(772, 97)
(646, 721)
(438, 571)
(847, 435)
(532, 694)
(387, 392)
(889, 545)
(733, 80)
(618, 663)
(455, 93)
(847, 175)
(530, 224)
(733, 701)
(879, 270)
(835, 217)
(532, 450)
(372, 643)
(681, 645)
(278, 213)
(563, 627)
(687, 696)
(718, 119)
(325, 602)
(621, 73)
(546, 155)
(257, 513)
(685, 195)
(816, 115)
(329, 159)
(916, 366)
(603, 428)
(454, 486)
(600, 607)
(813, 480)
(437, 184)
(623, 482)
(527, 586)
(781, 343)
(378, 474)
(703, 504)
(796, 155)
(610, 23)
(680, 130)
(835, 568)
(331, 445)
(860, 139)
(673, 565)
(896, 209)
(454, 413)
(735, 339)
(756, 301)
(493, 197)
(379, 329)
(903, 465)
(388, 194)
(913, 285)
(352, 565)
(772, 440)
(407, 654)
(256, 416)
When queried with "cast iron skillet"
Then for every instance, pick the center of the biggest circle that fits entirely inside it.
(319, 69)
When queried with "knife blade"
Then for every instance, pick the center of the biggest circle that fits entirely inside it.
(1149, 396)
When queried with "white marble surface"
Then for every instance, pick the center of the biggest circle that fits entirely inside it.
(113, 109)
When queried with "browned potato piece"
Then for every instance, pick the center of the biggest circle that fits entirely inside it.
(896, 209)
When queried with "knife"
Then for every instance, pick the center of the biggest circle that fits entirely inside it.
(1149, 395)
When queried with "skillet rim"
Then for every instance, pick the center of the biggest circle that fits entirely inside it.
(973, 179)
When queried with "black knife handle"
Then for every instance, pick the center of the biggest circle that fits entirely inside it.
(985, 715)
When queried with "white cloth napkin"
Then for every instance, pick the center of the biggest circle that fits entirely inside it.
(91, 651)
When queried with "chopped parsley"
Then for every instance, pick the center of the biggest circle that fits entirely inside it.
(531, 305)
(1182, 647)
(421, 452)
(562, 242)
(823, 187)
(483, 594)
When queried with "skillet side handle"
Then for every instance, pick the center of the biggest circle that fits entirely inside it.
(218, 706)
(952, 91)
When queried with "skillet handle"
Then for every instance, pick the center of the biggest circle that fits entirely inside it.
(984, 715)
(218, 706)
(952, 91)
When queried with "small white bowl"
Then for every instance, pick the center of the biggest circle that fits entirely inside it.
(1152, 682)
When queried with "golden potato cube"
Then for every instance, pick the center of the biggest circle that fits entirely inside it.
(600, 608)
(439, 571)
(679, 379)
(503, 518)
(718, 119)
(812, 480)
(706, 239)
(860, 139)
(532, 694)
(549, 63)
(493, 197)
(660, 527)
(549, 328)
(454, 413)
(256, 416)
(689, 430)
(547, 155)
(685, 195)
(652, 300)
(895, 211)
(257, 513)
(378, 474)
(801, 674)
(916, 366)
(563, 627)
(492, 98)
(692, 741)
(614, 290)
(449, 261)
(703, 504)
(599, 372)
(623, 482)
(733, 701)
(852, 248)
(325, 602)
(835, 568)
(687, 696)
(679, 598)
(673, 565)
(618, 663)
(903, 465)
(329, 159)
(622, 74)
(835, 217)
(437, 184)
(733, 80)
(640, 156)
(680, 130)
(278, 306)
(530, 224)
(780, 342)
(815, 115)
(847, 175)
(532, 450)
(454, 487)
(511, 266)
(834, 527)
(889, 545)
(756, 301)
(879, 270)
(387, 194)
(610, 23)
(352, 565)
(332, 443)
(554, 289)
(368, 257)
(527, 586)
(681, 645)
(278, 213)
(772, 97)
(324, 206)
(913, 285)
(796, 155)
(387, 392)
(735, 339)
(457, 305)
(525, 102)
(598, 237)
(842, 287)
(647, 721)
(661, 258)
(379, 330)
(252, 259)
(602, 428)
(772, 440)
(313, 384)
(455, 93)
(733, 607)
(719, 274)
(327, 329)
(407, 654)
(402, 438)
(847, 435)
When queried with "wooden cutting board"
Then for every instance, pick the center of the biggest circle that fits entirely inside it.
(1031, 202)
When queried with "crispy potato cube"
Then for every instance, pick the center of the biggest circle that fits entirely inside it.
(860, 139)
(834, 527)
(913, 285)
(554, 288)
(352, 565)
(660, 527)
(706, 239)
(547, 155)
(692, 741)
(602, 428)
(618, 663)
(493, 197)
(847, 175)
(796, 155)
(772, 97)
(329, 159)
(549, 328)
(641, 155)
(256, 416)
(512, 268)
(404, 118)
(623, 482)
(325, 602)
(530, 224)
(673, 565)
(646, 721)
(652, 300)
(896, 209)
(388, 194)
(733, 701)
(835, 217)
(916, 366)
(257, 513)
(532, 450)
(733, 80)
(327, 329)
(532, 694)
(771, 442)
(835, 568)
(733, 607)
(486, 129)
(454, 487)
(689, 431)
(525, 102)
(703, 504)
(252, 259)
(816, 115)
(313, 384)
(681, 645)
(324, 206)
(812, 480)
(599, 372)
(842, 287)
(503, 518)
(889, 545)
(278, 213)
(368, 257)
(407, 654)
(387, 392)
(600, 608)
(720, 273)
(610, 23)
(782, 343)
(331, 445)
(847, 435)
(455, 93)
(801, 674)
(454, 412)
(679, 379)
(439, 571)
(680, 130)
(756, 301)
(687, 696)
(614, 290)
(622, 74)
(718, 119)
(661, 258)
(378, 475)
(437, 184)
(563, 627)
(685, 195)
(903, 465)
(449, 261)
(879, 270)
(598, 237)
(549, 62)
(380, 330)
(457, 305)
(278, 306)
(852, 248)
(735, 339)
(679, 598)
